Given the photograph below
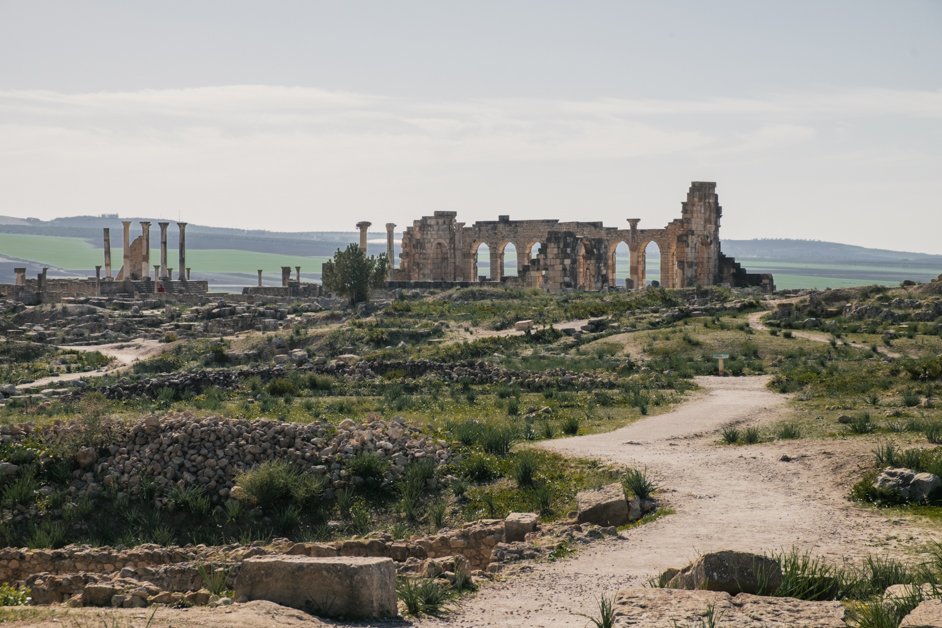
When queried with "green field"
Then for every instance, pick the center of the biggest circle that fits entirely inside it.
(77, 254)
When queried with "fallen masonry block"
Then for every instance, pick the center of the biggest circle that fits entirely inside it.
(340, 587)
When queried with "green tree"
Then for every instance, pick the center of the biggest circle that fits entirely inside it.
(352, 274)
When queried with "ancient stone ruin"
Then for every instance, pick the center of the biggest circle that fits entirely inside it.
(439, 251)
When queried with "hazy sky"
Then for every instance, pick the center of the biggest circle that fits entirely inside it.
(818, 119)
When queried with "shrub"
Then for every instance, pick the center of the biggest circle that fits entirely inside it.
(526, 465)
(479, 467)
(933, 432)
(751, 436)
(281, 386)
(570, 425)
(789, 431)
(436, 514)
(422, 596)
(808, 578)
(277, 483)
(731, 435)
(910, 398)
(11, 595)
(606, 613)
(214, 580)
(639, 484)
(861, 424)
(370, 468)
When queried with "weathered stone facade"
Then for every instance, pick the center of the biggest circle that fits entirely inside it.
(438, 250)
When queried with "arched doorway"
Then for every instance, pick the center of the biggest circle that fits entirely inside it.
(619, 267)
(482, 263)
(508, 261)
(651, 264)
(533, 251)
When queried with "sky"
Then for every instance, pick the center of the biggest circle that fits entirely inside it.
(817, 119)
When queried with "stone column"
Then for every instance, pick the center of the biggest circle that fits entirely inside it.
(156, 274)
(182, 271)
(97, 273)
(363, 226)
(298, 269)
(20, 275)
(126, 270)
(97, 281)
(42, 279)
(145, 257)
(106, 234)
(495, 260)
(634, 224)
(285, 276)
(169, 276)
(163, 248)
(187, 273)
(259, 277)
(391, 246)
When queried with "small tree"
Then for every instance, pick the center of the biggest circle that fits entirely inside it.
(352, 274)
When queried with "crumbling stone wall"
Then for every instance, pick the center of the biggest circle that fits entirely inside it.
(572, 255)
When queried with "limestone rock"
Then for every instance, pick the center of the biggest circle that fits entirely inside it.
(348, 587)
(927, 615)
(644, 607)
(98, 594)
(518, 524)
(732, 572)
(908, 484)
(606, 506)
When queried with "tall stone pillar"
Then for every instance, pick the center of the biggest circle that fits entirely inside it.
(495, 260)
(20, 275)
(363, 226)
(106, 234)
(259, 277)
(182, 267)
(285, 276)
(187, 273)
(390, 245)
(97, 273)
(298, 269)
(156, 274)
(126, 269)
(145, 256)
(163, 248)
(635, 269)
(97, 281)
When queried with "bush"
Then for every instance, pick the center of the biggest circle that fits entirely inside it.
(639, 484)
(281, 386)
(751, 436)
(479, 467)
(274, 484)
(933, 432)
(422, 596)
(11, 595)
(789, 431)
(526, 465)
(861, 424)
(731, 435)
(910, 398)
(570, 425)
(370, 468)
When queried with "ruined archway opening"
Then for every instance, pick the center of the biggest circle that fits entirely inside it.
(440, 263)
(652, 264)
(533, 251)
(482, 263)
(582, 267)
(620, 265)
(508, 260)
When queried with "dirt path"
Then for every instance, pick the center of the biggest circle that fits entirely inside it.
(124, 355)
(724, 497)
(755, 321)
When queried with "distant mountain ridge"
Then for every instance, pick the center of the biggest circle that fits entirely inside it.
(821, 252)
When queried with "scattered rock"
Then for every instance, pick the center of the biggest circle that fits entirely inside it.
(907, 484)
(927, 615)
(356, 588)
(729, 571)
(518, 524)
(606, 506)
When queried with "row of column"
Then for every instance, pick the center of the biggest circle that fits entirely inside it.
(390, 240)
(162, 271)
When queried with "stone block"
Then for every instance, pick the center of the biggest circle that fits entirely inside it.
(732, 572)
(341, 587)
(518, 524)
(927, 615)
(605, 506)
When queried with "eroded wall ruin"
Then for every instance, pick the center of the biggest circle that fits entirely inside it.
(439, 250)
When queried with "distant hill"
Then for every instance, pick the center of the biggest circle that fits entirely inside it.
(822, 252)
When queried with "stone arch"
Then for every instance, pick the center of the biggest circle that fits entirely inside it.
(619, 262)
(480, 262)
(644, 273)
(504, 268)
(533, 249)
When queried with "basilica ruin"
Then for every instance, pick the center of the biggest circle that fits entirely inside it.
(439, 251)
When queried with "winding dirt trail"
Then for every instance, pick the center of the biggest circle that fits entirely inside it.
(724, 497)
(123, 354)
